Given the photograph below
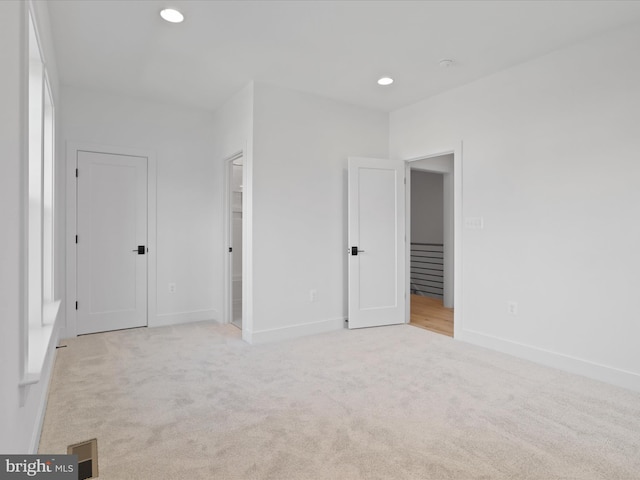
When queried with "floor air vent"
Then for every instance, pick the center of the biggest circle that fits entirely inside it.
(87, 453)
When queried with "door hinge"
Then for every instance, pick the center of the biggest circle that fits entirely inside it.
(76, 304)
(230, 249)
(76, 238)
(76, 173)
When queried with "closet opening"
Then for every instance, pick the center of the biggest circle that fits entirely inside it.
(235, 187)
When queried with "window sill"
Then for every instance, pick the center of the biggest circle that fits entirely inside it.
(39, 340)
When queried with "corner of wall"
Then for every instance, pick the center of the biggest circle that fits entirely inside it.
(293, 331)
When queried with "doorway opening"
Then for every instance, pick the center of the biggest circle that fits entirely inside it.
(235, 171)
(431, 254)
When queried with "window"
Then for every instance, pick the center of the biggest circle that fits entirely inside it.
(41, 306)
(34, 257)
(48, 182)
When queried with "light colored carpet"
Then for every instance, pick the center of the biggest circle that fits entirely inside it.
(195, 402)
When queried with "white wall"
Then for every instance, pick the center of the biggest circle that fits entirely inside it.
(301, 145)
(188, 189)
(11, 22)
(21, 408)
(427, 224)
(551, 164)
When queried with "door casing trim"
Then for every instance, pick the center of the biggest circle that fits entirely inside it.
(72, 148)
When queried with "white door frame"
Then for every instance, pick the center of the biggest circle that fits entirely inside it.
(228, 219)
(457, 236)
(247, 240)
(70, 329)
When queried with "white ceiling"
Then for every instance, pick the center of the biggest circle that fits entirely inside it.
(336, 49)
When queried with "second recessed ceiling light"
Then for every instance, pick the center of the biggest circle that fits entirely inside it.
(172, 15)
(385, 81)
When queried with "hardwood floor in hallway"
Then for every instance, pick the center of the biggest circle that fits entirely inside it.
(431, 314)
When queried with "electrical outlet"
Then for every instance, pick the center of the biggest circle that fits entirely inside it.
(313, 295)
(172, 288)
(512, 308)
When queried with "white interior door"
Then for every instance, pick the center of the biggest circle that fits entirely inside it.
(235, 241)
(112, 239)
(376, 242)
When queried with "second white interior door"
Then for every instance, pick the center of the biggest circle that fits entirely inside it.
(112, 240)
(376, 242)
(236, 241)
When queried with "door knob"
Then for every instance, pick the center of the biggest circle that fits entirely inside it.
(356, 251)
(141, 250)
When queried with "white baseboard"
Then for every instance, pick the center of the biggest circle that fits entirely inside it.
(293, 331)
(178, 318)
(596, 371)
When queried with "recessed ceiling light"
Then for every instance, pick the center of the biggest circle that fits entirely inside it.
(445, 63)
(172, 15)
(385, 81)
